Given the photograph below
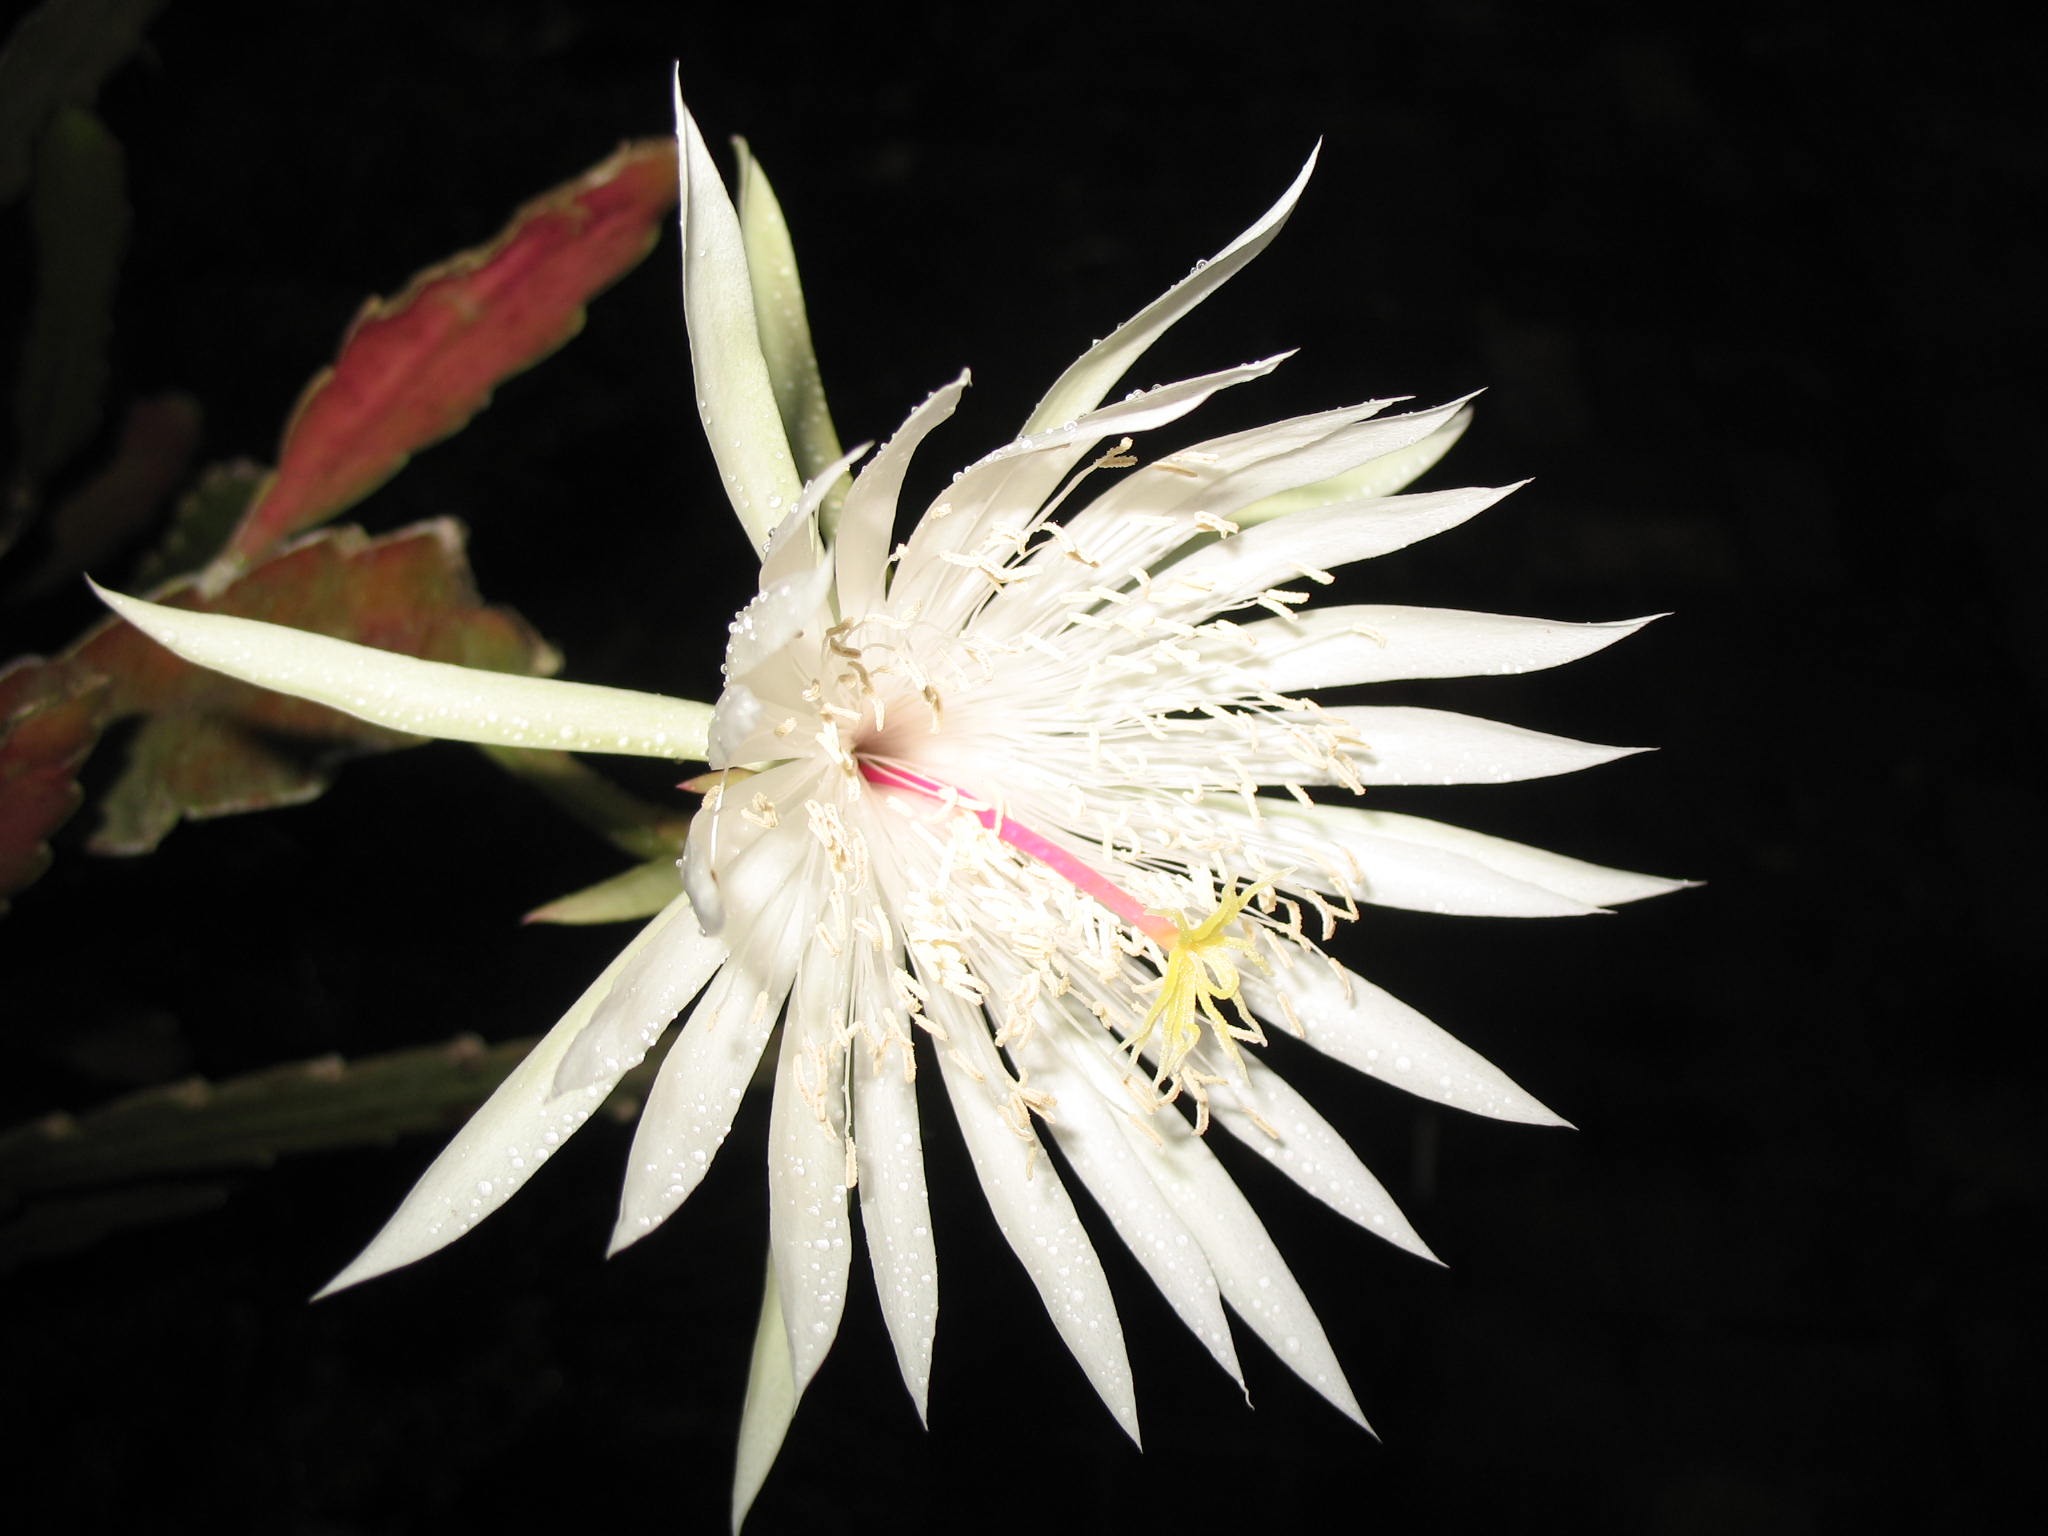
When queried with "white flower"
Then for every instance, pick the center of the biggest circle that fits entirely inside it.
(1025, 802)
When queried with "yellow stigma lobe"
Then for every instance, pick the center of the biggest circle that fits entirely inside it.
(1202, 968)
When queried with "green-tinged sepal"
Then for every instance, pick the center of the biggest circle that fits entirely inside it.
(784, 328)
(1383, 476)
(425, 698)
(770, 1404)
(639, 892)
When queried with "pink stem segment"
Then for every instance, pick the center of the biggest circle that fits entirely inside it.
(1032, 845)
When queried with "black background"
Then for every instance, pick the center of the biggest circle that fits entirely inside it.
(1751, 293)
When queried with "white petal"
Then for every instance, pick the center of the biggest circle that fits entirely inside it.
(770, 1404)
(647, 996)
(1018, 477)
(1368, 643)
(734, 395)
(1383, 476)
(1236, 570)
(1255, 1279)
(786, 606)
(1385, 871)
(1226, 473)
(895, 1214)
(1298, 1141)
(1336, 452)
(426, 698)
(517, 1129)
(1437, 746)
(1347, 1017)
(1353, 745)
(1033, 1212)
(1081, 388)
(869, 515)
(1409, 861)
(807, 1216)
(1089, 1132)
(705, 1075)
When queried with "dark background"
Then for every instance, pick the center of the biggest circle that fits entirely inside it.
(1751, 294)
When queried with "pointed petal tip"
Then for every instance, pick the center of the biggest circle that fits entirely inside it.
(352, 1274)
(624, 1235)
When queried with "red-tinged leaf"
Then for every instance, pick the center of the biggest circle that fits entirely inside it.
(211, 746)
(414, 369)
(50, 716)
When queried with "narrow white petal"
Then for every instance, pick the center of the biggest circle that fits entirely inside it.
(770, 1404)
(647, 996)
(796, 547)
(1119, 529)
(1021, 475)
(1033, 1212)
(1395, 860)
(807, 1216)
(1383, 476)
(869, 516)
(1081, 388)
(734, 396)
(1337, 452)
(1345, 1016)
(1277, 554)
(1437, 746)
(1255, 1279)
(1297, 1140)
(780, 319)
(895, 1214)
(705, 1075)
(517, 1129)
(1361, 744)
(426, 698)
(1089, 1131)
(1368, 643)
(1386, 871)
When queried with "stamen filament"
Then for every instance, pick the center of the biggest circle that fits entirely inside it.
(1083, 877)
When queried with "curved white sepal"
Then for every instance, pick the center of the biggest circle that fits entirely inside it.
(1081, 388)
(861, 551)
(517, 1129)
(425, 698)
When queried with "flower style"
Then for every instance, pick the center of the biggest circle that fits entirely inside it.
(1035, 791)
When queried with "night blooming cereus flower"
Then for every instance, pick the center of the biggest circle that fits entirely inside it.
(1021, 800)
